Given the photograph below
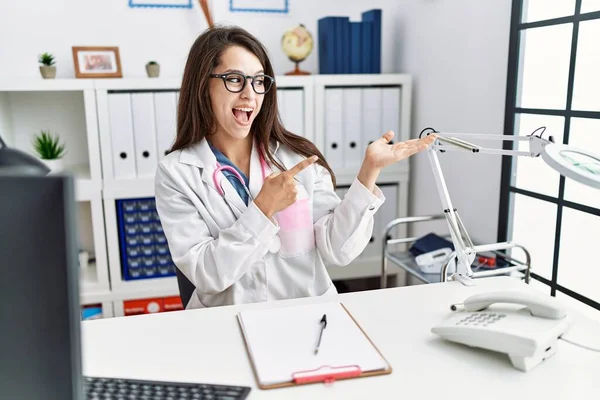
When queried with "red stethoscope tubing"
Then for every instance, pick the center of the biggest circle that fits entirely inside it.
(235, 173)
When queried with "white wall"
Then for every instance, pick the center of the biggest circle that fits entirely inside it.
(29, 28)
(456, 50)
(458, 54)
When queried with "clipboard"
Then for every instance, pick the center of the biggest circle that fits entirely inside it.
(280, 346)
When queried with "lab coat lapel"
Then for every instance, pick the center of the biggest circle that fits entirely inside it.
(202, 157)
(256, 177)
(256, 173)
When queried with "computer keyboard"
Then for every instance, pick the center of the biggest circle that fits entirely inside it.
(130, 389)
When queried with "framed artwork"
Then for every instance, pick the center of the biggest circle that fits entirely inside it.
(161, 3)
(259, 6)
(97, 62)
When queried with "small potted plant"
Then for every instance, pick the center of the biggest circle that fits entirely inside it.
(47, 69)
(153, 69)
(49, 149)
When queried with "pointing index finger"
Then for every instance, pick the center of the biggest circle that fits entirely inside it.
(302, 165)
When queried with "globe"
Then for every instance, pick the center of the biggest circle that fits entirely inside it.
(297, 44)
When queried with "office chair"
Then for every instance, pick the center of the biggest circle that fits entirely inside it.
(186, 288)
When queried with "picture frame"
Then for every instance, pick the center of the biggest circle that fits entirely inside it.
(97, 62)
(160, 3)
(259, 6)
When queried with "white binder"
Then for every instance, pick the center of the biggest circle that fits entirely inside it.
(371, 116)
(165, 108)
(281, 106)
(390, 99)
(294, 111)
(334, 153)
(121, 135)
(352, 117)
(144, 133)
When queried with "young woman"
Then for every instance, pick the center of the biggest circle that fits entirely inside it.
(249, 209)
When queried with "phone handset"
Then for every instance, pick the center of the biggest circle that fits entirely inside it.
(538, 305)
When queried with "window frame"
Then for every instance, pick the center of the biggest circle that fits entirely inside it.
(511, 112)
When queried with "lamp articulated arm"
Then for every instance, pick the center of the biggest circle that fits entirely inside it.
(465, 251)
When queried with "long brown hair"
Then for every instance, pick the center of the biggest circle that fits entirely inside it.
(195, 117)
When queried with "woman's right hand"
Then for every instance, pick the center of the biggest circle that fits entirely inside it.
(279, 189)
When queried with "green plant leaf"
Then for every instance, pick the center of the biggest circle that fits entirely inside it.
(46, 59)
(47, 146)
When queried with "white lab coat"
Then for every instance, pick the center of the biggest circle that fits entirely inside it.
(235, 254)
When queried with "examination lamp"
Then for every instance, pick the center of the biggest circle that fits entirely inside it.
(577, 164)
(18, 161)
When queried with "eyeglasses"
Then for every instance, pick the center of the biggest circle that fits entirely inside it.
(235, 82)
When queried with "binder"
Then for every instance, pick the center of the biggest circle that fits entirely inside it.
(121, 136)
(280, 343)
(294, 110)
(333, 129)
(165, 108)
(352, 118)
(372, 116)
(355, 47)
(374, 16)
(144, 133)
(390, 99)
(281, 106)
(327, 45)
(367, 46)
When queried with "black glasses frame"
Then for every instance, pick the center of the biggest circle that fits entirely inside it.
(245, 77)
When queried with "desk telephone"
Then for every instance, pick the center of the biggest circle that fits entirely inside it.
(528, 335)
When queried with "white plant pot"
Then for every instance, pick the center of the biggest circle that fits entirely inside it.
(153, 70)
(48, 72)
(55, 166)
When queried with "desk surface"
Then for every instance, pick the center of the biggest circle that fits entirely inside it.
(206, 346)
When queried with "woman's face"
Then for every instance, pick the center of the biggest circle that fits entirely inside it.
(235, 112)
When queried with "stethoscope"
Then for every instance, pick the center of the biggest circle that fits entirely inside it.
(275, 244)
(220, 168)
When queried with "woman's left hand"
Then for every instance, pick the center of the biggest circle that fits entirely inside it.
(381, 153)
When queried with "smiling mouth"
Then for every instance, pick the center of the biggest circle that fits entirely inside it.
(242, 115)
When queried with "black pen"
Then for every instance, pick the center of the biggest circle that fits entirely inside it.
(323, 326)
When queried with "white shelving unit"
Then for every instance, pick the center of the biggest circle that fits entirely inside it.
(350, 112)
(66, 107)
(80, 111)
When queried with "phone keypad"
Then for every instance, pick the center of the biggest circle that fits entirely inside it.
(477, 319)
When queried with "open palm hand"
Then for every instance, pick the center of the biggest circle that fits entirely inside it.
(381, 153)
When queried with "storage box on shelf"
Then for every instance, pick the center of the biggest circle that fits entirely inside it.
(147, 306)
(97, 311)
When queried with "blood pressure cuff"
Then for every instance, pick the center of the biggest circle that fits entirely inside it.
(429, 242)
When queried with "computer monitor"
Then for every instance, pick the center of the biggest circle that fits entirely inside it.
(40, 344)
(40, 356)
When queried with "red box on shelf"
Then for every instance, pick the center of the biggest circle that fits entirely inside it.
(151, 306)
(145, 306)
(173, 303)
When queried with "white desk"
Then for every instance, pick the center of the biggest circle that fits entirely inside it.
(207, 346)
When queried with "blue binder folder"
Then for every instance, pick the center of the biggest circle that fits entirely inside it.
(374, 16)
